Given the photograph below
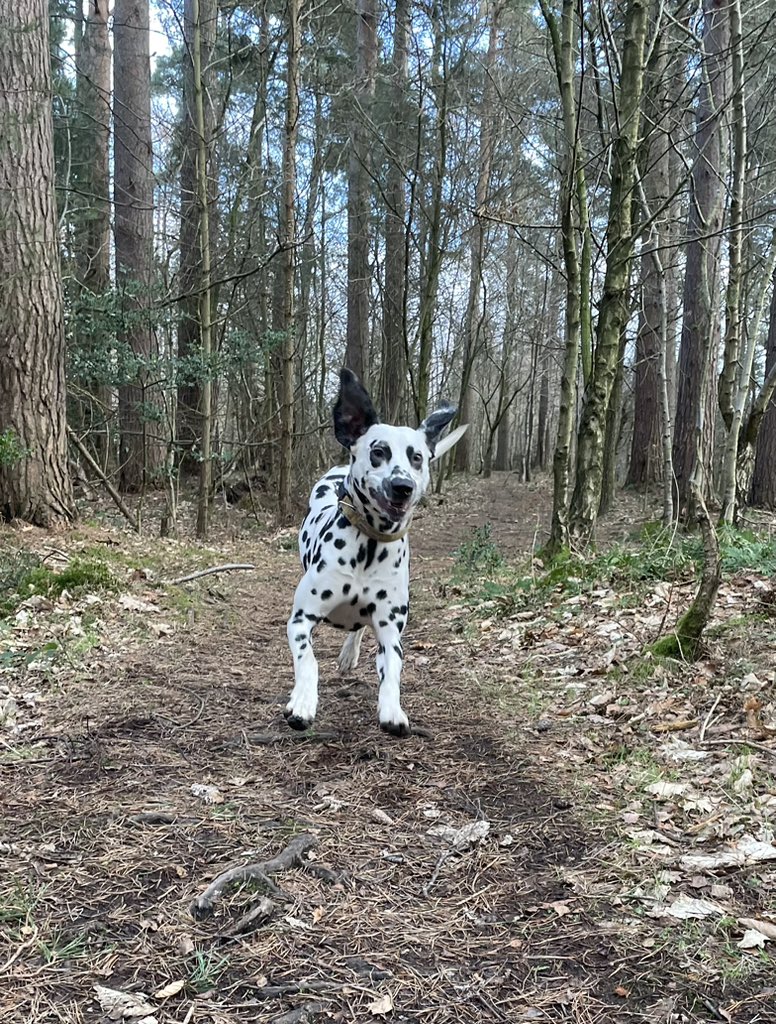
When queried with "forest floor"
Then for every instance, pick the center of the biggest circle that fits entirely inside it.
(616, 861)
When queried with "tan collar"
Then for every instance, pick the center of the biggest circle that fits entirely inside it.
(349, 511)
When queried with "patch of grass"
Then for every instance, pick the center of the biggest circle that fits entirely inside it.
(479, 554)
(24, 575)
(61, 948)
(206, 969)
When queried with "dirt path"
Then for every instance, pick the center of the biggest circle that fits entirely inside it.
(105, 844)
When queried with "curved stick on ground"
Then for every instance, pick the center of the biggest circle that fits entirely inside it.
(291, 857)
(229, 567)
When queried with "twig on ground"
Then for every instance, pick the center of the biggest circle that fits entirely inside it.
(707, 719)
(421, 731)
(295, 736)
(228, 567)
(291, 857)
(443, 858)
(738, 741)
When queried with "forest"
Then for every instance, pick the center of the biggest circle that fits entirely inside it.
(559, 216)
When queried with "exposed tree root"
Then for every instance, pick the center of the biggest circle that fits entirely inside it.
(291, 857)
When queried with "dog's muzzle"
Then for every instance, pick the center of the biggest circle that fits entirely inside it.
(396, 497)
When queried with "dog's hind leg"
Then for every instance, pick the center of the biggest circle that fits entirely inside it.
(351, 649)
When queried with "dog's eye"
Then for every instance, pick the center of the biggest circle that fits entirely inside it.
(417, 460)
(378, 455)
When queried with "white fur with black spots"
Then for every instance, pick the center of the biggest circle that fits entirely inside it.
(355, 551)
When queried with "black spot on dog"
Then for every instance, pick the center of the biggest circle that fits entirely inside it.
(316, 555)
(397, 649)
(341, 561)
(381, 595)
(383, 554)
(400, 624)
(311, 617)
(371, 547)
(361, 553)
(327, 537)
(325, 595)
(346, 588)
(382, 623)
(304, 537)
(339, 543)
(298, 614)
(313, 591)
(300, 637)
(355, 600)
(321, 565)
(321, 491)
(343, 523)
(352, 563)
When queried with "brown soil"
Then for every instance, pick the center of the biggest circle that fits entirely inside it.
(104, 845)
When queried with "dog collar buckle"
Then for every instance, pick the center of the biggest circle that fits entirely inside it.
(349, 512)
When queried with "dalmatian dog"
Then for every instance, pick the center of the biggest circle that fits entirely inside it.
(354, 548)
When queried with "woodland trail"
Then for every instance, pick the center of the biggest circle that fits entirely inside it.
(106, 843)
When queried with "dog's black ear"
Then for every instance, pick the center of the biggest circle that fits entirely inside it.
(433, 425)
(354, 413)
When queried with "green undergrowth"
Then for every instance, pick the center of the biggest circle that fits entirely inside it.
(486, 577)
(24, 575)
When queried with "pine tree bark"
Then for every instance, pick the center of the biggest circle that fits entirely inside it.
(141, 449)
(359, 291)
(34, 480)
(91, 213)
(393, 372)
(700, 324)
(189, 391)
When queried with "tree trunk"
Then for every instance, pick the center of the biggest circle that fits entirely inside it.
(700, 325)
(142, 451)
(199, 53)
(284, 312)
(394, 363)
(474, 317)
(189, 391)
(359, 291)
(34, 480)
(645, 457)
(614, 306)
(763, 492)
(92, 219)
(432, 257)
(736, 373)
(573, 212)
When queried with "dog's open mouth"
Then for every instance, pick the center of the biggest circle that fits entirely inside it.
(395, 510)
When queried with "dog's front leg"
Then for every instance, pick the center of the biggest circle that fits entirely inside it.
(303, 702)
(390, 658)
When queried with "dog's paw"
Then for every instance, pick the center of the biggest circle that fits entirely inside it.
(346, 663)
(296, 721)
(397, 724)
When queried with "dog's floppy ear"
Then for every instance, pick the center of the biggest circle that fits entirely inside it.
(354, 413)
(433, 426)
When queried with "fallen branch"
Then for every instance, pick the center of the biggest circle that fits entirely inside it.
(291, 857)
(229, 567)
(253, 919)
(130, 517)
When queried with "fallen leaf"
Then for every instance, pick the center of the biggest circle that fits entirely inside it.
(210, 794)
(747, 850)
(752, 939)
(135, 604)
(117, 1005)
(667, 790)
(170, 990)
(379, 815)
(623, 993)
(685, 907)
(458, 838)
(318, 913)
(382, 1006)
(765, 928)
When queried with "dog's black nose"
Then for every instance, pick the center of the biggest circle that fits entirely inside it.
(401, 490)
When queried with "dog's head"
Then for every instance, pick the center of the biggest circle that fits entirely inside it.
(389, 465)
